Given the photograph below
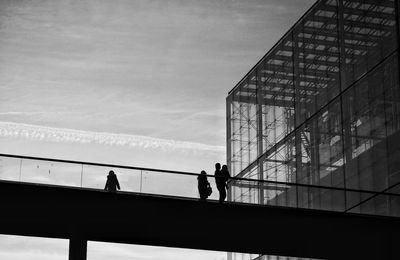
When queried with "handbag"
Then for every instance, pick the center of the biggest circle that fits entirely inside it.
(209, 189)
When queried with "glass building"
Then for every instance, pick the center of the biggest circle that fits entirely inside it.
(317, 119)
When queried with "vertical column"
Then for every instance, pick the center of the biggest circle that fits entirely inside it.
(229, 141)
(77, 248)
(314, 151)
(392, 148)
(345, 112)
(297, 112)
(397, 12)
(260, 137)
(228, 131)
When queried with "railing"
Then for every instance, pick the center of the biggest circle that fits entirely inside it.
(184, 184)
(94, 175)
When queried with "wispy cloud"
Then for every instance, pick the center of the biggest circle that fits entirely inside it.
(52, 134)
(33, 113)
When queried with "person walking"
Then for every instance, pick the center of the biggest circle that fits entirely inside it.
(112, 182)
(204, 186)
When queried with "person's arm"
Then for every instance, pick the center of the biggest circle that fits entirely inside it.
(105, 187)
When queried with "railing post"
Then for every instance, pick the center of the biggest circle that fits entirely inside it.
(77, 248)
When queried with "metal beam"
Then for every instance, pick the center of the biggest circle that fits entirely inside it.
(364, 13)
(317, 60)
(309, 71)
(363, 24)
(282, 92)
(260, 187)
(306, 51)
(266, 101)
(329, 44)
(380, 3)
(302, 77)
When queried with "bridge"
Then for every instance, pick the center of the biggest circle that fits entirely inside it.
(81, 214)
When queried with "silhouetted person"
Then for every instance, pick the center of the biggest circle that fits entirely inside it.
(225, 175)
(112, 182)
(220, 182)
(203, 185)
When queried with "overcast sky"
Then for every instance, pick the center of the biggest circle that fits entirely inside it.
(133, 82)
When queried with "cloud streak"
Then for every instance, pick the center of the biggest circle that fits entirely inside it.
(52, 134)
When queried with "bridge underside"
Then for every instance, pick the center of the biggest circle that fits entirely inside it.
(83, 214)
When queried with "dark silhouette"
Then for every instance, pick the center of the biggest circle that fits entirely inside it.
(225, 174)
(220, 181)
(204, 186)
(112, 182)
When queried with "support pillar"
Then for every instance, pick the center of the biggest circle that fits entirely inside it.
(260, 136)
(345, 111)
(77, 248)
(229, 156)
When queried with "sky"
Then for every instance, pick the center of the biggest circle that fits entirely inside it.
(130, 82)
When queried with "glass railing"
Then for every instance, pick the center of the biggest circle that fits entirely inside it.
(274, 193)
(184, 184)
(94, 175)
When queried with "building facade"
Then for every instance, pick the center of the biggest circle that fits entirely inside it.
(317, 119)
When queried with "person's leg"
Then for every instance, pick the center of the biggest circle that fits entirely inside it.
(221, 199)
(223, 194)
(203, 196)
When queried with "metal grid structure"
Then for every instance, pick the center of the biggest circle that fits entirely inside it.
(322, 107)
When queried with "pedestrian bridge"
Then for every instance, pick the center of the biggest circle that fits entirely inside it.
(83, 213)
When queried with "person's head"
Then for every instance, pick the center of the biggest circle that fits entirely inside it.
(111, 172)
(203, 172)
(217, 166)
(224, 167)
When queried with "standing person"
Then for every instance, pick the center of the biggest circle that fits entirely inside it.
(225, 174)
(203, 185)
(220, 182)
(112, 182)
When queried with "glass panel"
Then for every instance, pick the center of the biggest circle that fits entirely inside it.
(47, 172)
(10, 168)
(369, 35)
(105, 251)
(280, 195)
(171, 184)
(321, 148)
(246, 191)
(370, 204)
(33, 248)
(244, 134)
(276, 94)
(96, 177)
(316, 60)
(371, 120)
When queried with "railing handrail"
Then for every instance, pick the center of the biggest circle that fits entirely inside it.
(95, 164)
(231, 179)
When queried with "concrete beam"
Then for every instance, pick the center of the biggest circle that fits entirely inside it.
(61, 212)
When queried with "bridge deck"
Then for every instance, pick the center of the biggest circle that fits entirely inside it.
(65, 212)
